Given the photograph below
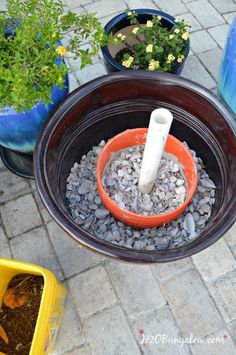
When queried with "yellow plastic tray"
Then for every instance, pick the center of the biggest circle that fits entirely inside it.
(51, 307)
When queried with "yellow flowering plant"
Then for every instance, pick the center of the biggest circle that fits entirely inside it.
(155, 47)
(31, 51)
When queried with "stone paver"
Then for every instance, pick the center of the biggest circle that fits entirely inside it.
(201, 41)
(215, 261)
(230, 236)
(173, 7)
(223, 290)
(164, 272)
(195, 25)
(223, 6)
(112, 304)
(11, 186)
(111, 6)
(219, 33)
(92, 291)
(160, 325)
(35, 247)
(217, 343)
(136, 288)
(189, 301)
(229, 17)
(20, 215)
(72, 257)
(195, 71)
(211, 60)
(71, 333)
(5, 251)
(205, 13)
(108, 333)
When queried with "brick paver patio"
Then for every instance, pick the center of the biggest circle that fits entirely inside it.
(111, 304)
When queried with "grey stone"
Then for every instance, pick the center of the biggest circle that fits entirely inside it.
(172, 7)
(111, 7)
(195, 71)
(219, 33)
(201, 41)
(205, 13)
(223, 291)
(109, 334)
(159, 324)
(232, 328)
(195, 25)
(20, 215)
(35, 247)
(5, 251)
(101, 213)
(137, 288)
(223, 6)
(137, 4)
(189, 300)
(92, 291)
(71, 333)
(166, 271)
(218, 342)
(72, 4)
(44, 213)
(214, 261)
(72, 256)
(230, 236)
(211, 60)
(230, 17)
(12, 186)
(86, 74)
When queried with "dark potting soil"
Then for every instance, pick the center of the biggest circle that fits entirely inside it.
(19, 323)
(120, 54)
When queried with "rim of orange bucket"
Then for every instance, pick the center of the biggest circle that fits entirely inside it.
(133, 137)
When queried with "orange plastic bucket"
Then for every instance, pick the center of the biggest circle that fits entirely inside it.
(133, 137)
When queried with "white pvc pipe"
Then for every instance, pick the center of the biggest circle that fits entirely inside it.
(159, 126)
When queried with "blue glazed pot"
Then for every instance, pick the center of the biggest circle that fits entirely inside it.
(19, 131)
(121, 21)
(227, 74)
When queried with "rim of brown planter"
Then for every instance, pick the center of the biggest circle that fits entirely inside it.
(98, 93)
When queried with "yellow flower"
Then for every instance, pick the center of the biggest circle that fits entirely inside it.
(182, 56)
(123, 37)
(149, 48)
(149, 24)
(179, 60)
(185, 36)
(135, 30)
(170, 58)
(171, 36)
(129, 13)
(61, 50)
(53, 35)
(177, 20)
(176, 30)
(165, 69)
(119, 35)
(159, 17)
(153, 64)
(127, 63)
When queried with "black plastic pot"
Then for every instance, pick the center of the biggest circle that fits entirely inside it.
(117, 23)
(111, 104)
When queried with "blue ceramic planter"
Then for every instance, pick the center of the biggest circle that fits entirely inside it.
(227, 74)
(121, 21)
(18, 131)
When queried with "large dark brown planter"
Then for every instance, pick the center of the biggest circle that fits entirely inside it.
(108, 105)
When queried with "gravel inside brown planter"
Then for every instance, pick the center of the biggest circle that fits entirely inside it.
(111, 104)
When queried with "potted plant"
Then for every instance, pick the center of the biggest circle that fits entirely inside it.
(31, 304)
(33, 71)
(146, 39)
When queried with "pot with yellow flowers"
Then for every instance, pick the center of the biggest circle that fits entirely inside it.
(146, 39)
(33, 73)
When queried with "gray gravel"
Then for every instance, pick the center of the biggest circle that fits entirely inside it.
(120, 181)
(88, 211)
